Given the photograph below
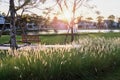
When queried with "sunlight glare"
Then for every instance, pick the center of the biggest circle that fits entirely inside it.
(65, 16)
(68, 15)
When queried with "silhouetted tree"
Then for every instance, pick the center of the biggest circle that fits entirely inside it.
(72, 6)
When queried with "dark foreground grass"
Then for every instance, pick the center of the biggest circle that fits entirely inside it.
(114, 74)
(95, 59)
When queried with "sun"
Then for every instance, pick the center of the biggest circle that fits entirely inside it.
(68, 15)
(65, 16)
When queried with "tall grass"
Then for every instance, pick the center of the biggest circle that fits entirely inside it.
(90, 61)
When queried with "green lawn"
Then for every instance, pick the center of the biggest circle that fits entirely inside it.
(60, 39)
(45, 39)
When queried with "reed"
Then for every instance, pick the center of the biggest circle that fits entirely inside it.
(90, 61)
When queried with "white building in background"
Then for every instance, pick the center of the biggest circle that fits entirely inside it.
(59, 25)
(32, 26)
(87, 25)
(2, 20)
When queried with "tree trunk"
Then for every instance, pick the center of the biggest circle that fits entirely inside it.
(13, 44)
(72, 26)
(72, 34)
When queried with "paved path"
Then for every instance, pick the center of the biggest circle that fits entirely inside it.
(7, 47)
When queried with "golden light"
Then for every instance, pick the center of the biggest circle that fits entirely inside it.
(65, 16)
(68, 15)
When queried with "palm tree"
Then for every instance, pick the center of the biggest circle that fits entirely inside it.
(111, 19)
(100, 19)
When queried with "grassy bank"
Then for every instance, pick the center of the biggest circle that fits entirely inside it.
(95, 59)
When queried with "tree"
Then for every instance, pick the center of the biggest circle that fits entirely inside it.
(111, 20)
(118, 25)
(25, 5)
(111, 17)
(71, 6)
(89, 18)
(100, 20)
(13, 9)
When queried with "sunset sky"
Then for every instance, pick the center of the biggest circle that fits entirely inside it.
(106, 7)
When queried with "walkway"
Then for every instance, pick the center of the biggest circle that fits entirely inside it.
(7, 47)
